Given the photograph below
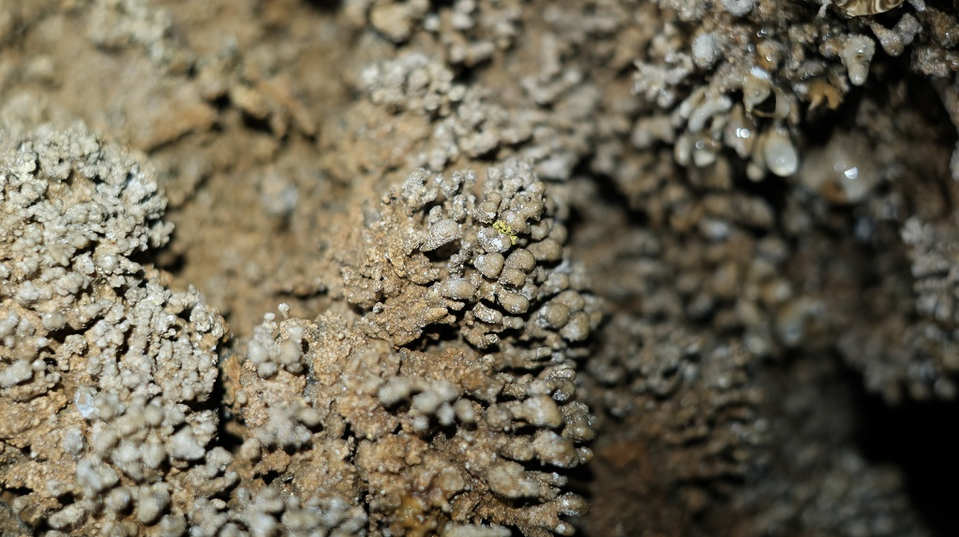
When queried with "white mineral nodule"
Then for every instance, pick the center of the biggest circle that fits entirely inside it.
(856, 55)
(780, 154)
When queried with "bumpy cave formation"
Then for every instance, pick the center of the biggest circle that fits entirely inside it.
(478, 268)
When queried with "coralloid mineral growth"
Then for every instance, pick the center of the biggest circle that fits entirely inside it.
(478, 268)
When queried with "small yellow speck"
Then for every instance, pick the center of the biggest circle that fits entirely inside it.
(505, 229)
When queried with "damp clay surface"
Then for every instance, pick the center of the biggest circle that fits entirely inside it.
(479, 268)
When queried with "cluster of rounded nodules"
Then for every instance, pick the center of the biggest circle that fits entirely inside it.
(466, 121)
(703, 387)
(468, 32)
(493, 265)
(917, 358)
(487, 260)
(123, 366)
(743, 78)
(118, 364)
(440, 440)
(913, 358)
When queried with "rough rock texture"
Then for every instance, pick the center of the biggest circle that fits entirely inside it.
(651, 256)
(480, 426)
(104, 370)
(745, 78)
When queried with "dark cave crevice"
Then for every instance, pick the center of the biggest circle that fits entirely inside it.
(916, 437)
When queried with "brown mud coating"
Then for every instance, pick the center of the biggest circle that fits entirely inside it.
(478, 268)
